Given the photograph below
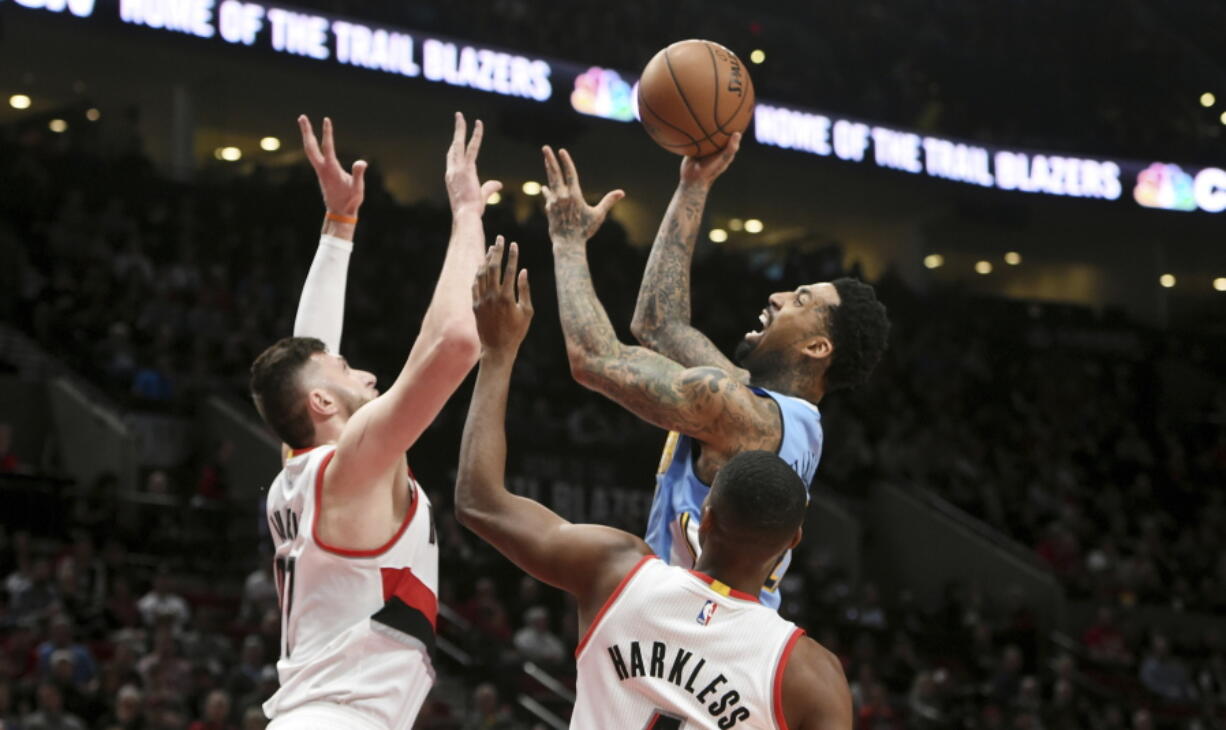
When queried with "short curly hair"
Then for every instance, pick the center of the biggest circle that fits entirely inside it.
(859, 329)
(277, 392)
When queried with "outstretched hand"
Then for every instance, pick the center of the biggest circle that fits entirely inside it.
(502, 318)
(464, 189)
(571, 219)
(704, 170)
(343, 191)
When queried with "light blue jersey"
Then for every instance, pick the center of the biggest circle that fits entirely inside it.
(672, 527)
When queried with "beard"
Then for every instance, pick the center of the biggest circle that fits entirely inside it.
(763, 363)
(351, 400)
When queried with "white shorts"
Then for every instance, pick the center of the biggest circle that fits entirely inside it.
(322, 716)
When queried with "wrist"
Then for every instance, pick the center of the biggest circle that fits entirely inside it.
(694, 187)
(332, 227)
(500, 356)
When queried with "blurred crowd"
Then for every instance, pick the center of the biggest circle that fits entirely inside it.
(1090, 77)
(1051, 424)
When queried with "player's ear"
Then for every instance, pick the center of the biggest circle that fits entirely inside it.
(819, 347)
(706, 523)
(321, 402)
(800, 532)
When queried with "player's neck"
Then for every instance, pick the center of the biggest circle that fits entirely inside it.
(734, 573)
(329, 431)
(790, 384)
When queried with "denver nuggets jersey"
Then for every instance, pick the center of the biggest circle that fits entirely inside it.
(672, 649)
(672, 527)
(357, 627)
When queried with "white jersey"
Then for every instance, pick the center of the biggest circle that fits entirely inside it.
(357, 627)
(674, 648)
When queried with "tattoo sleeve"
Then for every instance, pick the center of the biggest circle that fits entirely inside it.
(663, 311)
(704, 402)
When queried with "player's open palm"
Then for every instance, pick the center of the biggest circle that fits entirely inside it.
(502, 316)
(464, 188)
(343, 191)
(704, 170)
(571, 219)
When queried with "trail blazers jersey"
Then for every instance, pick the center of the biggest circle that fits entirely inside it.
(676, 649)
(672, 527)
(357, 627)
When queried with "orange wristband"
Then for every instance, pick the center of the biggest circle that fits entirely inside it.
(351, 220)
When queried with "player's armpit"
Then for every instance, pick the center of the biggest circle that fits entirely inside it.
(705, 403)
(815, 691)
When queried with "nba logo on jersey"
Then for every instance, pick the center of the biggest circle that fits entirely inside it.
(707, 613)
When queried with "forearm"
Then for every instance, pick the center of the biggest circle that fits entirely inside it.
(321, 308)
(585, 324)
(664, 296)
(450, 312)
(480, 482)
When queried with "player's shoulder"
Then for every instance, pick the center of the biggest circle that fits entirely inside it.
(815, 690)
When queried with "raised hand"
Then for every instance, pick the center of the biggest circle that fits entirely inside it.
(703, 170)
(464, 189)
(571, 219)
(343, 191)
(502, 318)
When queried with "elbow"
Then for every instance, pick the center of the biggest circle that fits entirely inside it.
(459, 342)
(580, 365)
(642, 330)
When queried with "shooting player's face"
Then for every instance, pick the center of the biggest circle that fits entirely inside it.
(352, 388)
(790, 322)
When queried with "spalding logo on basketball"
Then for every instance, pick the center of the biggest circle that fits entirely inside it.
(693, 96)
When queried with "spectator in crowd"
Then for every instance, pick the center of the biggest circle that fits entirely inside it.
(129, 710)
(535, 642)
(486, 712)
(63, 642)
(1163, 674)
(161, 603)
(216, 712)
(50, 714)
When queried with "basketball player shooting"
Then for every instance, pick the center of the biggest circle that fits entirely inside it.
(815, 339)
(662, 646)
(356, 555)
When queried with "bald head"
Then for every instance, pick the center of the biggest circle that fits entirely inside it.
(758, 501)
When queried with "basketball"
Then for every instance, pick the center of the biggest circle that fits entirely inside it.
(693, 96)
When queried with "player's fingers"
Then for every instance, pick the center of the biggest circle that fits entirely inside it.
(488, 188)
(733, 146)
(569, 174)
(359, 177)
(457, 135)
(474, 144)
(309, 144)
(476, 289)
(329, 146)
(525, 292)
(508, 276)
(493, 265)
(548, 194)
(608, 201)
(552, 173)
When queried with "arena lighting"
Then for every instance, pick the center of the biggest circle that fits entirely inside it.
(736, 224)
(1167, 280)
(494, 199)
(757, 55)
(718, 235)
(230, 154)
(753, 225)
(1219, 283)
(934, 261)
(1207, 99)
(19, 101)
(270, 144)
(983, 267)
(92, 114)
(1223, 118)
(1013, 258)
(532, 187)
(58, 126)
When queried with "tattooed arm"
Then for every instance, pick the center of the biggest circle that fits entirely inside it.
(662, 314)
(703, 402)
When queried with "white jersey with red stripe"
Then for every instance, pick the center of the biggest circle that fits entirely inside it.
(357, 627)
(674, 648)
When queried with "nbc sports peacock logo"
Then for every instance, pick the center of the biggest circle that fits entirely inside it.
(600, 92)
(1167, 186)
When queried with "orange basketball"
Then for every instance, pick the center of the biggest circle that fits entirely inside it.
(693, 96)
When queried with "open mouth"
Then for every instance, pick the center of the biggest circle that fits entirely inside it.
(765, 319)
